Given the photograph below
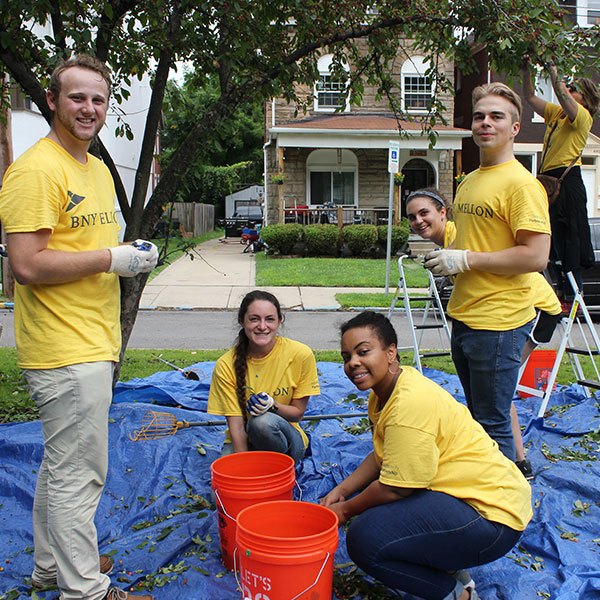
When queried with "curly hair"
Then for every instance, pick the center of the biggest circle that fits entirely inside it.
(240, 362)
(591, 94)
(381, 326)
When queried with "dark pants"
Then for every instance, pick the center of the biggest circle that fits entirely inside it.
(413, 543)
(571, 248)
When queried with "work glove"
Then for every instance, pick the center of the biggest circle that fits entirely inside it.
(260, 403)
(447, 262)
(131, 259)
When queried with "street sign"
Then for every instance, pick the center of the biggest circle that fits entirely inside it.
(393, 157)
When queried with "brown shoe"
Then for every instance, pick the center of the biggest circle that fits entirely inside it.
(106, 567)
(117, 594)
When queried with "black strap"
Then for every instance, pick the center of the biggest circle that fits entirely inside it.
(546, 150)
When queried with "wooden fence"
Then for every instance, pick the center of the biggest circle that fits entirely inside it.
(195, 218)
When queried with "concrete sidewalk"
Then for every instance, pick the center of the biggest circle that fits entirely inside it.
(220, 275)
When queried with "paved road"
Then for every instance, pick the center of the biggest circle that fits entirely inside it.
(217, 329)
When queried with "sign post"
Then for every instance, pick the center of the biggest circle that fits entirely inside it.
(393, 162)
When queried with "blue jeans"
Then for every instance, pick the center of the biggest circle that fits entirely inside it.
(487, 363)
(413, 543)
(272, 432)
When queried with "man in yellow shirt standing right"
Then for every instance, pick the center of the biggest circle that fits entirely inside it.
(503, 234)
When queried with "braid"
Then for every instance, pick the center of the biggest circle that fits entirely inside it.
(241, 368)
(240, 363)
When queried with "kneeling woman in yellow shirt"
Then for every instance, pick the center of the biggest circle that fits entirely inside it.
(436, 495)
(262, 385)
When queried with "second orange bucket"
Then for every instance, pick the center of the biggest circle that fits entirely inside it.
(286, 550)
(245, 478)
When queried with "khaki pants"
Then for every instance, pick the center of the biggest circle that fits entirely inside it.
(73, 402)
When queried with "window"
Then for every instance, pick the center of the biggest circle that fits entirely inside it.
(528, 161)
(329, 90)
(417, 93)
(588, 12)
(327, 186)
(332, 177)
(416, 86)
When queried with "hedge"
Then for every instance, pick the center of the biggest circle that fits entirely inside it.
(399, 235)
(359, 238)
(321, 239)
(282, 237)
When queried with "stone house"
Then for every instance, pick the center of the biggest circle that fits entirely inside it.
(336, 155)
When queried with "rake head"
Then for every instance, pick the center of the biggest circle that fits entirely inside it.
(156, 425)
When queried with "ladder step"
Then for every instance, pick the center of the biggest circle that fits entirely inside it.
(590, 383)
(426, 354)
(421, 298)
(583, 351)
(436, 326)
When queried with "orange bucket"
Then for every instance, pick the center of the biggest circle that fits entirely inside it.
(538, 369)
(245, 478)
(285, 551)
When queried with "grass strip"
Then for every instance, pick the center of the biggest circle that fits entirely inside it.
(16, 405)
(332, 272)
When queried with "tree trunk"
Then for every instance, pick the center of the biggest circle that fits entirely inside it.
(6, 155)
(131, 293)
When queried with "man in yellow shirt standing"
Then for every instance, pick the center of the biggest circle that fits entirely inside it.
(503, 233)
(57, 205)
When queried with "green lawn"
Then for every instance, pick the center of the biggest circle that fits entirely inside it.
(15, 404)
(333, 272)
(352, 300)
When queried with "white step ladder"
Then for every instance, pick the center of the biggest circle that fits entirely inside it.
(566, 345)
(433, 315)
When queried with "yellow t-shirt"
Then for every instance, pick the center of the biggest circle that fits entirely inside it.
(568, 139)
(492, 204)
(544, 296)
(288, 372)
(449, 233)
(75, 322)
(424, 439)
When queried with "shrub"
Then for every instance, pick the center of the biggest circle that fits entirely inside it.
(359, 238)
(282, 237)
(321, 239)
(399, 235)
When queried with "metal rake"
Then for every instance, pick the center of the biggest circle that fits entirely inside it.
(159, 424)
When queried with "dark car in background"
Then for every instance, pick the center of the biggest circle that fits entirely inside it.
(591, 276)
(247, 216)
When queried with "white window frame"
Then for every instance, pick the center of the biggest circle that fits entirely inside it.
(415, 67)
(324, 164)
(324, 66)
(582, 8)
(544, 90)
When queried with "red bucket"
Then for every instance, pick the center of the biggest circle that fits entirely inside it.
(537, 372)
(242, 479)
(285, 551)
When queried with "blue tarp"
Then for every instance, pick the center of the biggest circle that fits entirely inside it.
(157, 520)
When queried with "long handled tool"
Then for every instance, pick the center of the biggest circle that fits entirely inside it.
(158, 424)
(190, 374)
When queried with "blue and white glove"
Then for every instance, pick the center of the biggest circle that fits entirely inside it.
(447, 262)
(260, 403)
(129, 260)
